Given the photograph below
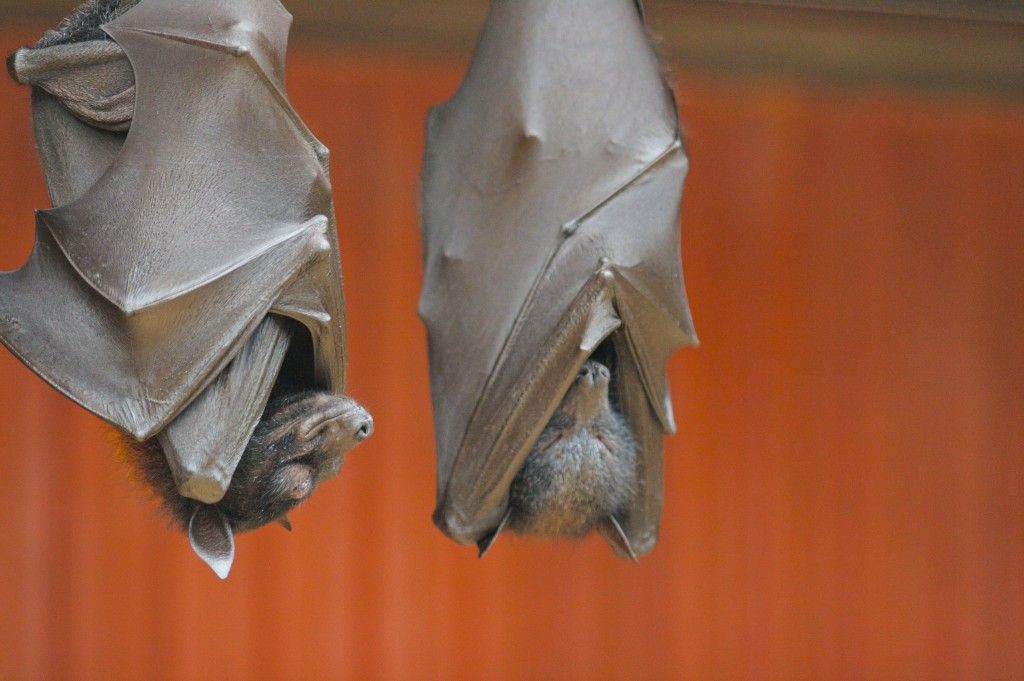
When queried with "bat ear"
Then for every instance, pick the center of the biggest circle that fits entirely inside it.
(613, 533)
(212, 538)
(284, 522)
(485, 542)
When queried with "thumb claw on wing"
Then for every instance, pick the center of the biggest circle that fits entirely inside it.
(487, 541)
(612, 531)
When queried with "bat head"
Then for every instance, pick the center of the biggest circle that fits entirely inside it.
(587, 397)
(301, 440)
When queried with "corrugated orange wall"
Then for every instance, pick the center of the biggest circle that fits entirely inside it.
(845, 499)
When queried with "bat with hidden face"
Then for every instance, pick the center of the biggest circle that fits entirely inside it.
(553, 292)
(186, 285)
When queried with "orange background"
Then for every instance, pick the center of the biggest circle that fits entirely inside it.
(845, 498)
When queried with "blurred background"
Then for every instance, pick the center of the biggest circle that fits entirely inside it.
(844, 499)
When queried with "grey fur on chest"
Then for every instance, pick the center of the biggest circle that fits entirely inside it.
(574, 478)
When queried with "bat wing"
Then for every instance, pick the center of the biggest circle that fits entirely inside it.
(169, 246)
(550, 204)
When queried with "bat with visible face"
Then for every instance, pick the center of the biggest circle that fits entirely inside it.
(550, 207)
(186, 286)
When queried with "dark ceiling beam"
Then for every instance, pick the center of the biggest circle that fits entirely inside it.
(938, 45)
(850, 46)
(1006, 11)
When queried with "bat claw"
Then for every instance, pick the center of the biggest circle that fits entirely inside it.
(485, 542)
(613, 533)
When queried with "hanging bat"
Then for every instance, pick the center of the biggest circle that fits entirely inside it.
(186, 286)
(550, 207)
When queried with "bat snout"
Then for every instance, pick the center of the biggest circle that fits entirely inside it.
(588, 396)
(340, 420)
(350, 428)
(594, 374)
(364, 427)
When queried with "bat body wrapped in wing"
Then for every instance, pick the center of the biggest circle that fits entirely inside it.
(192, 250)
(550, 207)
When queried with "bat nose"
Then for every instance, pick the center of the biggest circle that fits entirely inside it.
(364, 428)
(593, 373)
(347, 426)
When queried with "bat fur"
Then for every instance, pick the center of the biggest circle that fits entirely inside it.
(84, 22)
(582, 469)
